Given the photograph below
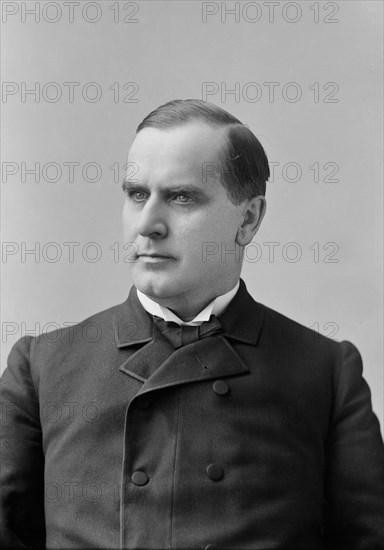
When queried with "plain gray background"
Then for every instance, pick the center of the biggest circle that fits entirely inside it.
(320, 123)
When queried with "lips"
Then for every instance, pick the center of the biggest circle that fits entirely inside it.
(154, 256)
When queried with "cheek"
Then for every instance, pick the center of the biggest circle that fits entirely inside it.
(204, 239)
(128, 222)
(222, 227)
(124, 216)
(126, 230)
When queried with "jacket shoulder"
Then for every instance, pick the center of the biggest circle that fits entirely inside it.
(279, 326)
(98, 326)
(85, 335)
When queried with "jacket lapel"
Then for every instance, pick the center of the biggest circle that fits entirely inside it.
(205, 359)
(157, 364)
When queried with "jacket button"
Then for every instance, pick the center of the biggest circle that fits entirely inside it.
(215, 472)
(220, 387)
(143, 402)
(139, 478)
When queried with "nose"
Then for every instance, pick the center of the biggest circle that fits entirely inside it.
(152, 221)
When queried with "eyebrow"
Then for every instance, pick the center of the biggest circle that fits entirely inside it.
(132, 185)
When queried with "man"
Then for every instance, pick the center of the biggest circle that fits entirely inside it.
(190, 416)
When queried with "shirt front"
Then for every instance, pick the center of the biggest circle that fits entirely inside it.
(216, 307)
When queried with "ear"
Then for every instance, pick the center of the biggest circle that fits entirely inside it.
(253, 214)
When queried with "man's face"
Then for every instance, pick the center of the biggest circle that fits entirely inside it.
(172, 209)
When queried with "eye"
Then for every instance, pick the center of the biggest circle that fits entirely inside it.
(137, 196)
(183, 199)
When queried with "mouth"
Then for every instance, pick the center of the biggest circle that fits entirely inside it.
(153, 258)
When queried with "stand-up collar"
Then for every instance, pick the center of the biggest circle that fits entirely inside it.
(215, 307)
(241, 320)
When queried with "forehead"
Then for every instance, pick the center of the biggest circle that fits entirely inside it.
(181, 150)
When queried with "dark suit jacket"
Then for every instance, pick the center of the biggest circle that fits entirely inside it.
(260, 438)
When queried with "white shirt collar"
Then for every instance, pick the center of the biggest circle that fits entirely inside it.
(216, 307)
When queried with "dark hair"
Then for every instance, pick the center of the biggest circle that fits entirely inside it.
(245, 169)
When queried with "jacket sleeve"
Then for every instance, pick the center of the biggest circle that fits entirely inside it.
(22, 523)
(354, 506)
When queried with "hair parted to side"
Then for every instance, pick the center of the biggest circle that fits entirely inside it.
(244, 169)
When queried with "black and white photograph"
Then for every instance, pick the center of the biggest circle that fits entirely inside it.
(192, 275)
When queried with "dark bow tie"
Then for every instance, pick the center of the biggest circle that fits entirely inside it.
(181, 335)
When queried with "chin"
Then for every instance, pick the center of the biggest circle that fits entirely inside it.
(155, 286)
